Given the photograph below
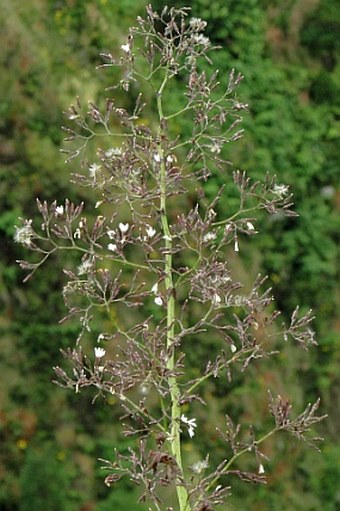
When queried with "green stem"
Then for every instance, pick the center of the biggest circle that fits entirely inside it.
(175, 439)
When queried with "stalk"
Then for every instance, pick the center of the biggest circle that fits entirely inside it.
(175, 440)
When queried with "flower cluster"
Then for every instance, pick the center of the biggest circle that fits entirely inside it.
(170, 260)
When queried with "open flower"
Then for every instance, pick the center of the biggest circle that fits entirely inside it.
(99, 352)
(125, 48)
(158, 301)
(59, 210)
(150, 231)
(112, 247)
(24, 234)
(123, 228)
(191, 425)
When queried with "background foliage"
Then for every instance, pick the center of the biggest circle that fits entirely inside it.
(289, 54)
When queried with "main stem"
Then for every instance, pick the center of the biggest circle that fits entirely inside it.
(175, 440)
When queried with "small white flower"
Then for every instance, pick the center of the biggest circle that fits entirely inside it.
(191, 424)
(154, 288)
(24, 234)
(111, 234)
(261, 469)
(93, 169)
(236, 247)
(170, 158)
(125, 48)
(209, 236)
(200, 466)
(59, 210)
(84, 267)
(113, 151)
(197, 24)
(215, 148)
(280, 190)
(158, 301)
(201, 39)
(112, 247)
(99, 352)
(233, 348)
(250, 226)
(216, 299)
(157, 157)
(77, 234)
(150, 231)
(123, 228)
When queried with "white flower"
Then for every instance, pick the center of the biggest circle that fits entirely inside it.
(280, 190)
(84, 267)
(93, 169)
(157, 157)
(59, 210)
(24, 234)
(197, 24)
(77, 234)
(233, 348)
(215, 148)
(158, 301)
(113, 151)
(261, 469)
(200, 466)
(123, 228)
(150, 231)
(216, 299)
(169, 158)
(209, 236)
(191, 423)
(201, 39)
(125, 48)
(111, 234)
(154, 288)
(250, 226)
(112, 247)
(99, 352)
(236, 247)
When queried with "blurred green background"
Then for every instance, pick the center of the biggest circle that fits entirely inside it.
(289, 53)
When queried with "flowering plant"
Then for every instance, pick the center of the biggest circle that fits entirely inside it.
(163, 255)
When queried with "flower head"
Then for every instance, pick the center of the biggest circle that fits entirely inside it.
(197, 24)
(123, 228)
(158, 301)
(59, 210)
(112, 247)
(191, 424)
(24, 234)
(85, 267)
(280, 190)
(99, 352)
(93, 169)
(150, 231)
(125, 48)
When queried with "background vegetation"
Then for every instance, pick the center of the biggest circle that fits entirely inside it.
(289, 53)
